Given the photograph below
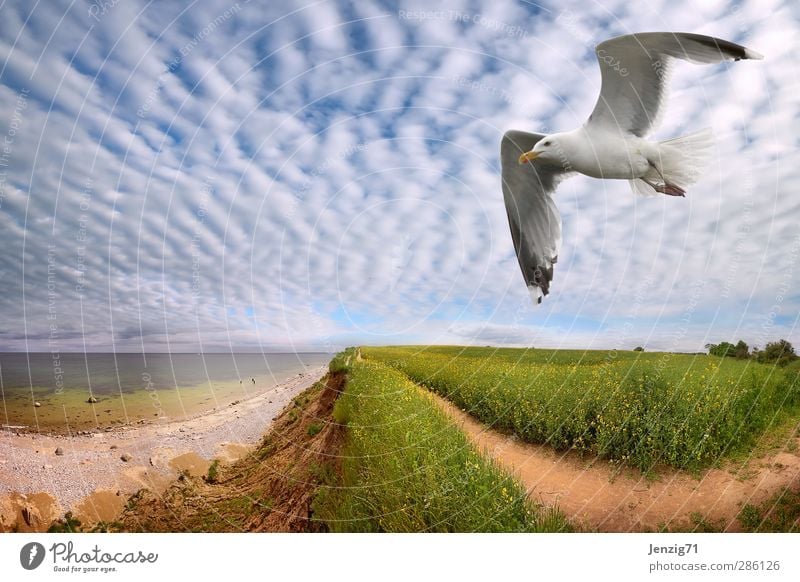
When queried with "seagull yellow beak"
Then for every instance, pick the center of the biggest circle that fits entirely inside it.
(528, 157)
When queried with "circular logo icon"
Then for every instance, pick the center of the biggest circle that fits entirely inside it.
(31, 555)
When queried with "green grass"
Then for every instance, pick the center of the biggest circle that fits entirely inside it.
(780, 513)
(213, 472)
(342, 361)
(406, 467)
(69, 524)
(688, 411)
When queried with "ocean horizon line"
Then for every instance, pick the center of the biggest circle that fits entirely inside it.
(156, 352)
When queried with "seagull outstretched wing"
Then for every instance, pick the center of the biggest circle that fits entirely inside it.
(532, 213)
(635, 68)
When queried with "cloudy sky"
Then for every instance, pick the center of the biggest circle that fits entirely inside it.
(289, 175)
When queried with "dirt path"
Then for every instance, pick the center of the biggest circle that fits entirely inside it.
(599, 496)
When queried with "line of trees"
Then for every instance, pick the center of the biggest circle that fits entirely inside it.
(780, 352)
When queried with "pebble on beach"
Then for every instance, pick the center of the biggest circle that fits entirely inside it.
(90, 463)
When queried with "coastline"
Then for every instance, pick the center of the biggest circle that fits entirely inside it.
(92, 480)
(101, 394)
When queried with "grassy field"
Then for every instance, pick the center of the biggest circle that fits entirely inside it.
(407, 468)
(688, 411)
(781, 513)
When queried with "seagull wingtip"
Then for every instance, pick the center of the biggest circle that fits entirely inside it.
(536, 294)
(751, 54)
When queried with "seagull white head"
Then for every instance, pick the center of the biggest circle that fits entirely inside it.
(547, 149)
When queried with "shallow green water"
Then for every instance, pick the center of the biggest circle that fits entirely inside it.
(132, 387)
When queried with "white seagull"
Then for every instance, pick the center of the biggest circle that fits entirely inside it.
(610, 145)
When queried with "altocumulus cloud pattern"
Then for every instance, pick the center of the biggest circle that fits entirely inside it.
(292, 175)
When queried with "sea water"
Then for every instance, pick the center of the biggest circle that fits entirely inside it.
(132, 388)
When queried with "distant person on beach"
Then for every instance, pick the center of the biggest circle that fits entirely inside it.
(254, 380)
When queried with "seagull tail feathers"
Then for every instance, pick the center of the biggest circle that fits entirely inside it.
(681, 161)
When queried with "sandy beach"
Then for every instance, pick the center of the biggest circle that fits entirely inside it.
(95, 473)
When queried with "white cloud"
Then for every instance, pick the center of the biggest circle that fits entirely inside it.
(353, 157)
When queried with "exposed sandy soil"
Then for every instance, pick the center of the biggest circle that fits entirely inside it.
(91, 479)
(270, 489)
(600, 496)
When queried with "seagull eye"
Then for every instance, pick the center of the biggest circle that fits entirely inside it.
(547, 143)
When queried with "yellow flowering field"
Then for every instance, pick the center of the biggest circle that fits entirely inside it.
(645, 409)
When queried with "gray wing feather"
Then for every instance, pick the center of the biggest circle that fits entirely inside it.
(634, 74)
(532, 213)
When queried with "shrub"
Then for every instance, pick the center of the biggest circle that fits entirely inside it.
(721, 349)
(780, 352)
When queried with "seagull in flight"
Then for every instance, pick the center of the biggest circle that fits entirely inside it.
(609, 146)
